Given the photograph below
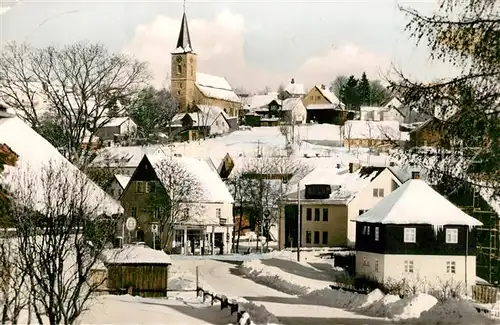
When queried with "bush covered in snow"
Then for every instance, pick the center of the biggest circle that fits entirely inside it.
(454, 312)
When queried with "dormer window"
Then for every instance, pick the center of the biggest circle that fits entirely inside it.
(415, 175)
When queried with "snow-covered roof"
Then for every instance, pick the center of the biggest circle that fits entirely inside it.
(215, 87)
(213, 189)
(328, 95)
(345, 185)
(375, 130)
(126, 157)
(122, 180)
(415, 202)
(373, 108)
(257, 101)
(135, 254)
(35, 154)
(116, 121)
(291, 104)
(213, 150)
(295, 88)
(394, 102)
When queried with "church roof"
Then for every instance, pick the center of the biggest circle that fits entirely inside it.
(215, 87)
(184, 40)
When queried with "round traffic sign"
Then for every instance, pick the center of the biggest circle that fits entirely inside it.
(131, 223)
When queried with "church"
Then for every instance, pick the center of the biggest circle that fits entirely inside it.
(192, 88)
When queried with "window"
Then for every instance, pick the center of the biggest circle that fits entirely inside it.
(450, 267)
(408, 266)
(316, 214)
(377, 233)
(318, 97)
(309, 214)
(368, 230)
(325, 237)
(415, 175)
(186, 212)
(452, 236)
(376, 265)
(378, 192)
(410, 235)
(179, 69)
(325, 214)
(308, 237)
(218, 213)
(365, 262)
(316, 237)
(134, 212)
(140, 187)
(150, 188)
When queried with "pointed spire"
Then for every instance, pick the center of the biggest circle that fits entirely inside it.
(184, 40)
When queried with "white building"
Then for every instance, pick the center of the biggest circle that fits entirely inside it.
(417, 236)
(209, 214)
(386, 113)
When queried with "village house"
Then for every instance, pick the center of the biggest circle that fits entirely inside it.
(329, 199)
(204, 121)
(208, 221)
(385, 113)
(191, 87)
(324, 107)
(428, 246)
(270, 110)
(374, 135)
(117, 129)
(292, 90)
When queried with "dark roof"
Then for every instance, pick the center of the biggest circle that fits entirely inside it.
(184, 40)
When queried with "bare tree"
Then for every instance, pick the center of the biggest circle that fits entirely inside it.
(348, 133)
(80, 84)
(266, 180)
(153, 110)
(264, 91)
(176, 200)
(60, 233)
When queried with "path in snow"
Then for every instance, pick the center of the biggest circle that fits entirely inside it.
(223, 277)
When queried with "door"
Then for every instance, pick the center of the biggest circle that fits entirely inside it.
(291, 216)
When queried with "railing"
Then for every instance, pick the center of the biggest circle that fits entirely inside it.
(242, 316)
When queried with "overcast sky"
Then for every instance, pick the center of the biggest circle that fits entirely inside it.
(252, 43)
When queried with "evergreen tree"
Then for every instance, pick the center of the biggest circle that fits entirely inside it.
(364, 90)
(349, 94)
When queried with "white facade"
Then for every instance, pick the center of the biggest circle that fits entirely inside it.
(426, 272)
(128, 127)
(366, 200)
(375, 113)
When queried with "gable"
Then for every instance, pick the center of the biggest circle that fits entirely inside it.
(315, 96)
(143, 172)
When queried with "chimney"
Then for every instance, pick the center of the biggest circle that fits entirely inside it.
(353, 167)
(293, 81)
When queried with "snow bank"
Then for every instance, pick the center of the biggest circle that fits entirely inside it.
(257, 312)
(273, 277)
(181, 279)
(379, 308)
(454, 312)
(332, 298)
(411, 307)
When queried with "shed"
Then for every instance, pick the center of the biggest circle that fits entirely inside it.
(137, 270)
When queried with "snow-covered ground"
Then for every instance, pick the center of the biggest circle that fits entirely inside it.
(310, 280)
(225, 278)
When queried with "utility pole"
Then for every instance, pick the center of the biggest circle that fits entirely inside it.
(298, 222)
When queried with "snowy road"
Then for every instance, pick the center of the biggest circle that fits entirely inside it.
(223, 277)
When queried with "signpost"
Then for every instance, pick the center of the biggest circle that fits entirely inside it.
(154, 230)
(130, 224)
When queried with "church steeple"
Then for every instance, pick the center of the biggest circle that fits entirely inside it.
(184, 40)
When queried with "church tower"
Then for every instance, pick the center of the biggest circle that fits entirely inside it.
(183, 68)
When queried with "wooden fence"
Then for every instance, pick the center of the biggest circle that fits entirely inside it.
(485, 294)
(137, 279)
